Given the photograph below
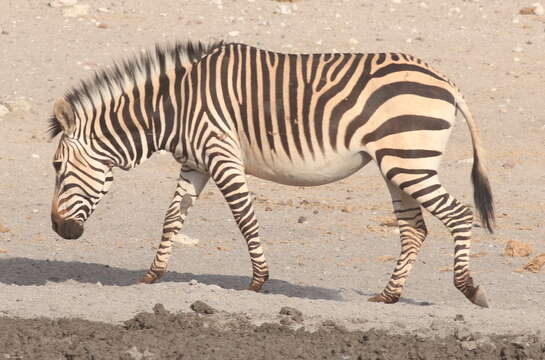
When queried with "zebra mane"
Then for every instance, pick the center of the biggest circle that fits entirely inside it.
(117, 78)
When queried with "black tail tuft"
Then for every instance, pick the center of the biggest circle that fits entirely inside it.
(482, 195)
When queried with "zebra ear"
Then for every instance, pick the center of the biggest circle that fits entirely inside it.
(65, 115)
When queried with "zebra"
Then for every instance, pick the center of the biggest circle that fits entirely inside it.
(227, 110)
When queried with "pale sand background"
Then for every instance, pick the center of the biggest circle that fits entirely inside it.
(328, 267)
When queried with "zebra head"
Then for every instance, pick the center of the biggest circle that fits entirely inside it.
(83, 174)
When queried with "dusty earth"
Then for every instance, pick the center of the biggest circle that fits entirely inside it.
(75, 299)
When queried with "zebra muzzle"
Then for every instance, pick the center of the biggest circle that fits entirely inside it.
(68, 229)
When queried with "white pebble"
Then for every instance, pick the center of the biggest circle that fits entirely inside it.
(185, 240)
(396, 1)
(62, 3)
(538, 9)
(517, 49)
(35, 156)
(193, 282)
(3, 110)
(353, 41)
(234, 33)
(423, 5)
(76, 11)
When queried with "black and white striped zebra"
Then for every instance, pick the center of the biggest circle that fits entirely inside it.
(227, 110)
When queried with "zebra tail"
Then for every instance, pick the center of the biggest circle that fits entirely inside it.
(482, 193)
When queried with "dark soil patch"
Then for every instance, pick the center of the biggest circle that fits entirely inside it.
(163, 335)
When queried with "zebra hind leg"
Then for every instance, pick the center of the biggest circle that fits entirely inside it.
(190, 185)
(412, 230)
(425, 188)
(230, 179)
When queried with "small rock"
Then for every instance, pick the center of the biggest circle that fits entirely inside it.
(3, 251)
(535, 9)
(185, 240)
(76, 11)
(234, 33)
(18, 104)
(99, 284)
(135, 354)
(486, 344)
(517, 248)
(286, 9)
(202, 308)
(102, 26)
(465, 161)
(469, 345)
(462, 334)
(286, 321)
(3, 110)
(536, 264)
(521, 342)
(193, 282)
(159, 310)
(459, 317)
(302, 220)
(62, 3)
(329, 323)
(293, 313)
(103, 10)
(385, 258)
(517, 49)
(508, 165)
(4, 229)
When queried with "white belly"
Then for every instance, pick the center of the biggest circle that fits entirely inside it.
(310, 172)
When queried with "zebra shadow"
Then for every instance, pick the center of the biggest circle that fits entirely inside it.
(28, 272)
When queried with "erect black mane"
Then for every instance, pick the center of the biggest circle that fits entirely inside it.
(105, 82)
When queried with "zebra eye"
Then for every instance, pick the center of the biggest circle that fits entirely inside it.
(57, 165)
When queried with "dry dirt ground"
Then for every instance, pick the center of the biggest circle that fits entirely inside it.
(328, 266)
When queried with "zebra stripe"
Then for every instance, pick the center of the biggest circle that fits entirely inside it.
(227, 110)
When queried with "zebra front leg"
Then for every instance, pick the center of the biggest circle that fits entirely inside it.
(190, 185)
(412, 231)
(230, 179)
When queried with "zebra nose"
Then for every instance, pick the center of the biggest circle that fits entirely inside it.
(71, 229)
(68, 229)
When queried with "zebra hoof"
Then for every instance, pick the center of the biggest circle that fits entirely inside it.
(478, 297)
(255, 286)
(149, 278)
(380, 298)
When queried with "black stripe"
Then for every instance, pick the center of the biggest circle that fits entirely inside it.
(388, 91)
(279, 96)
(404, 123)
(405, 154)
(393, 68)
(350, 100)
(254, 100)
(292, 117)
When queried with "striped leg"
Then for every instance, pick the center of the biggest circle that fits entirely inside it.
(190, 185)
(426, 189)
(412, 231)
(230, 179)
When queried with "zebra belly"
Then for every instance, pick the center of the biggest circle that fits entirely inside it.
(309, 172)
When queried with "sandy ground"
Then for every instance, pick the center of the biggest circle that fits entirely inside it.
(327, 267)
